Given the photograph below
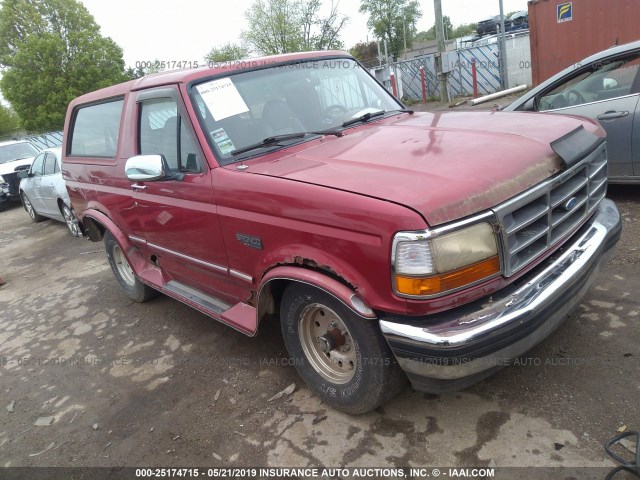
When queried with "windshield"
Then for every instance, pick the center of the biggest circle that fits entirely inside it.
(16, 151)
(244, 109)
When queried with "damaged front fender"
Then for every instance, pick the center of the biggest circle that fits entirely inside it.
(285, 274)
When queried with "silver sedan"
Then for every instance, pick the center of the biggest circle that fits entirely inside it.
(605, 87)
(44, 193)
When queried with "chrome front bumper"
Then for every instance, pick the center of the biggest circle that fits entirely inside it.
(454, 349)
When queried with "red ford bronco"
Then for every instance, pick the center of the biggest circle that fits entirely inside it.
(391, 244)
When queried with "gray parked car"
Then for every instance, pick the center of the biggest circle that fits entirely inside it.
(606, 87)
(44, 193)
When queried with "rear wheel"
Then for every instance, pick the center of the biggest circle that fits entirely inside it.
(342, 357)
(134, 288)
(30, 210)
(70, 219)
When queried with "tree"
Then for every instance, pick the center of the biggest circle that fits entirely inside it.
(135, 73)
(449, 31)
(227, 52)
(425, 35)
(464, 30)
(52, 51)
(320, 33)
(8, 121)
(366, 53)
(144, 68)
(282, 26)
(392, 20)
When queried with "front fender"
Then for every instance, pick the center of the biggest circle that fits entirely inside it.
(317, 279)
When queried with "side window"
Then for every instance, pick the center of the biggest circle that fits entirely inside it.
(606, 80)
(163, 132)
(189, 157)
(50, 164)
(36, 166)
(95, 130)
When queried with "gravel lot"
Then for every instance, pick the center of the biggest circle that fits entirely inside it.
(153, 384)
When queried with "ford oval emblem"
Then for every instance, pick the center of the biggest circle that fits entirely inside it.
(570, 204)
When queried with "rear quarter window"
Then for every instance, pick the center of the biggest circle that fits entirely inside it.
(95, 130)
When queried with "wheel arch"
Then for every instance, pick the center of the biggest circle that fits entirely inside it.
(276, 280)
(60, 203)
(95, 224)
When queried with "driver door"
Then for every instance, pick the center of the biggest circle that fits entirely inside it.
(178, 215)
(609, 93)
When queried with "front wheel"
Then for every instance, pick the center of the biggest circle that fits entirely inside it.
(342, 357)
(134, 288)
(35, 217)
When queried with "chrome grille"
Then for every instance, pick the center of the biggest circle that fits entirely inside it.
(538, 219)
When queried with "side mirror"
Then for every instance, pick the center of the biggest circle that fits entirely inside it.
(23, 174)
(145, 168)
(530, 105)
(608, 83)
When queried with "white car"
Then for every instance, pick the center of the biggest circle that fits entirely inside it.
(44, 193)
(14, 156)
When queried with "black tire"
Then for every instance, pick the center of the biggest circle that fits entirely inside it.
(375, 375)
(35, 218)
(132, 286)
(73, 226)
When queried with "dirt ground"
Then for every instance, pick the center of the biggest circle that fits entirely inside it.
(154, 384)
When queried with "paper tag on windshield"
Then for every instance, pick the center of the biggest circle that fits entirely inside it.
(222, 98)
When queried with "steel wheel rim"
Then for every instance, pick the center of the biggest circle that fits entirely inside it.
(29, 207)
(72, 222)
(123, 267)
(339, 364)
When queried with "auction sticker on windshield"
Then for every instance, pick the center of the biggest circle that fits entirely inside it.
(222, 98)
(223, 141)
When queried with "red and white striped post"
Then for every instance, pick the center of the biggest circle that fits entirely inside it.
(424, 85)
(474, 73)
(393, 84)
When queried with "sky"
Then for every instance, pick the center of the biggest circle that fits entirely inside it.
(186, 30)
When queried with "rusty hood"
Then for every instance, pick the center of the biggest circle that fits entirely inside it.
(444, 165)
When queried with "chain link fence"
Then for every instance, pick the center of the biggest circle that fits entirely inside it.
(460, 78)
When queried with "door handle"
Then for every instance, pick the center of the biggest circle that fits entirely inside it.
(612, 115)
(138, 188)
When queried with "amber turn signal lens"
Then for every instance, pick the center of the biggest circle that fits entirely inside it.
(444, 282)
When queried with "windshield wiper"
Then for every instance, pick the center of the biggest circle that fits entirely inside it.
(274, 140)
(363, 118)
(369, 115)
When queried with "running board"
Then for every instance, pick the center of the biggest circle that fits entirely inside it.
(241, 316)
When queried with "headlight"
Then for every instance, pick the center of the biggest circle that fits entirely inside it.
(426, 266)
